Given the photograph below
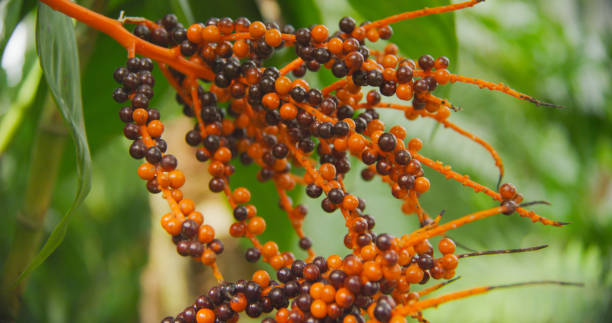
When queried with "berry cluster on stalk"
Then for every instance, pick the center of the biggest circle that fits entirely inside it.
(247, 112)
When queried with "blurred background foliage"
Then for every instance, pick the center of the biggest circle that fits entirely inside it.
(559, 51)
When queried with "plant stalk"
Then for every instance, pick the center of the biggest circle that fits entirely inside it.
(47, 155)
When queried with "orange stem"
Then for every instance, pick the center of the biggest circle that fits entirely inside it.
(421, 13)
(131, 42)
(499, 87)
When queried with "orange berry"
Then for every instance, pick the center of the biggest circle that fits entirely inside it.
(187, 206)
(251, 210)
(376, 125)
(146, 171)
(155, 128)
(241, 195)
(372, 35)
(389, 61)
(443, 113)
(348, 319)
(209, 257)
(177, 194)
(277, 262)
(288, 111)
(446, 246)
(227, 127)
(344, 298)
(397, 319)
(507, 191)
(206, 233)
(170, 224)
(449, 261)
(216, 168)
(372, 271)
(356, 143)
(334, 261)
(423, 247)
(328, 171)
(448, 274)
(194, 33)
(352, 265)
(421, 184)
(398, 131)
(163, 180)
(350, 202)
(335, 45)
(241, 48)
(253, 75)
(237, 229)
(318, 308)
(257, 225)
(359, 33)
(389, 74)
(271, 100)
(205, 316)
(223, 154)
(196, 216)
(316, 289)
(262, 278)
(282, 85)
(273, 37)
(282, 315)
(177, 178)
(319, 33)
(257, 29)
(368, 252)
(238, 303)
(328, 294)
(392, 273)
(340, 144)
(414, 274)
(211, 34)
(415, 144)
(140, 116)
(391, 48)
(404, 257)
(414, 166)
(270, 249)
(442, 76)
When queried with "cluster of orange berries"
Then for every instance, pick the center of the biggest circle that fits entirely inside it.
(249, 113)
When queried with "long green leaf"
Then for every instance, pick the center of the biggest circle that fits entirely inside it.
(10, 18)
(57, 49)
(182, 9)
(433, 34)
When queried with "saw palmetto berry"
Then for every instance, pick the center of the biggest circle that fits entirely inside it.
(248, 112)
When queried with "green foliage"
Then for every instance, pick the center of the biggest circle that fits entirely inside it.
(59, 59)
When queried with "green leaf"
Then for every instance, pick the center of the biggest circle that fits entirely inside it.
(434, 34)
(204, 9)
(182, 9)
(57, 49)
(300, 13)
(11, 17)
(10, 122)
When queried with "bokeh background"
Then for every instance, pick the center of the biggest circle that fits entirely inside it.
(115, 264)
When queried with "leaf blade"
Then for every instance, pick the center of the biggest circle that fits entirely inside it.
(57, 50)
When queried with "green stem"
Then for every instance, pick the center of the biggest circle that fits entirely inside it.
(46, 159)
(25, 97)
